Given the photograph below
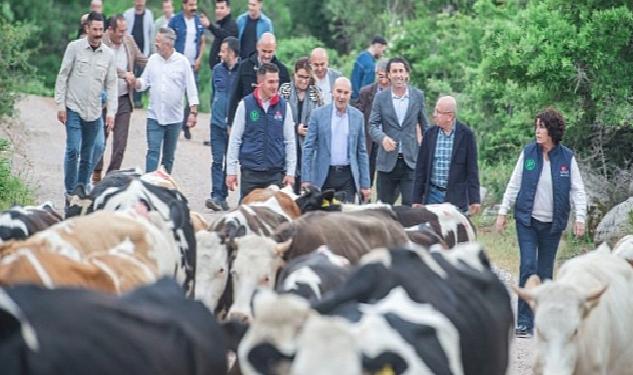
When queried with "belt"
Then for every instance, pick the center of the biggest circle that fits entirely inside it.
(443, 189)
(339, 168)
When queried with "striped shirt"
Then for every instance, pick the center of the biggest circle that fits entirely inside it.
(442, 158)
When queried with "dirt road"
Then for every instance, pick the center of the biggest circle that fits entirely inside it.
(39, 142)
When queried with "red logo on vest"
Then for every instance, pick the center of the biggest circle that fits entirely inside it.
(564, 171)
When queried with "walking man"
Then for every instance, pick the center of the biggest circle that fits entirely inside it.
(163, 21)
(364, 66)
(447, 169)
(334, 154)
(222, 79)
(364, 103)
(189, 42)
(168, 76)
(247, 78)
(251, 25)
(126, 56)
(223, 28)
(396, 120)
(87, 69)
(324, 76)
(140, 23)
(262, 137)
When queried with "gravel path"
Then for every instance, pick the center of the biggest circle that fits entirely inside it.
(39, 142)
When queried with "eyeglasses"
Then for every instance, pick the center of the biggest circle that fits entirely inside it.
(303, 77)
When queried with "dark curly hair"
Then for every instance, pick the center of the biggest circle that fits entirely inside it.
(554, 123)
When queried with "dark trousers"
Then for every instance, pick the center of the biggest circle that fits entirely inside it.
(340, 179)
(251, 180)
(187, 110)
(372, 163)
(219, 139)
(119, 135)
(401, 177)
(538, 247)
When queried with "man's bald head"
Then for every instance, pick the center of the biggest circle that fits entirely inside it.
(319, 62)
(341, 93)
(266, 47)
(96, 6)
(445, 112)
(448, 103)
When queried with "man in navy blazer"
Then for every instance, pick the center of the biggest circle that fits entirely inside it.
(447, 169)
(334, 153)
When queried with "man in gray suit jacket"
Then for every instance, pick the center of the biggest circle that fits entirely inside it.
(324, 76)
(396, 122)
(334, 153)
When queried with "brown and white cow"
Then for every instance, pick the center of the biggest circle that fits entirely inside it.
(285, 198)
(108, 251)
(582, 318)
(18, 223)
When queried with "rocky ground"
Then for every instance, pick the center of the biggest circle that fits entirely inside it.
(39, 142)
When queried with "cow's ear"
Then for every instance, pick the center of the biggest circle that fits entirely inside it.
(593, 298)
(528, 293)
(283, 247)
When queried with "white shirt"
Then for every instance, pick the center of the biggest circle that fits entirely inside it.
(400, 105)
(120, 59)
(325, 88)
(168, 80)
(190, 40)
(544, 197)
(340, 130)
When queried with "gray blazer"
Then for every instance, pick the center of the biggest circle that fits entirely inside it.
(383, 121)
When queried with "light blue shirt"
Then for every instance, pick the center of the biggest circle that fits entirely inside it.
(400, 105)
(340, 132)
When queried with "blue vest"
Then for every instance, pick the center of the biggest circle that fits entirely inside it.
(263, 147)
(179, 25)
(560, 161)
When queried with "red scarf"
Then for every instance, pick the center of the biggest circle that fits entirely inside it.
(273, 101)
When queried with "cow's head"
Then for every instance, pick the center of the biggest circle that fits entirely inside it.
(212, 268)
(256, 262)
(270, 343)
(78, 202)
(313, 199)
(559, 314)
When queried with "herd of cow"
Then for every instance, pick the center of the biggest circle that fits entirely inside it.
(132, 281)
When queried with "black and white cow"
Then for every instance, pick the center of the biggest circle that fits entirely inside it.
(313, 275)
(402, 311)
(450, 225)
(121, 190)
(18, 223)
(152, 330)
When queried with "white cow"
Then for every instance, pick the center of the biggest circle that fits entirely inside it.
(583, 318)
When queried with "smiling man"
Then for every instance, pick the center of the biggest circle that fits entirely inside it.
(88, 68)
(334, 153)
(396, 122)
(262, 137)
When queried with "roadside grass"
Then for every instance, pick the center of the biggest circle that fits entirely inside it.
(12, 189)
(503, 248)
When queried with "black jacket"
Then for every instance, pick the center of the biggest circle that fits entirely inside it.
(224, 28)
(247, 79)
(463, 177)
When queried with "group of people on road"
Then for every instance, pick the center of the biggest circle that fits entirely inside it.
(313, 127)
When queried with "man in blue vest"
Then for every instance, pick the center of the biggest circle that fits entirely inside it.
(262, 137)
(190, 42)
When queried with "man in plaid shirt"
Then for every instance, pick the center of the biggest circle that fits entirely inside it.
(447, 169)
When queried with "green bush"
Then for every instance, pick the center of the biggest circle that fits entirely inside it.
(495, 177)
(12, 189)
(14, 67)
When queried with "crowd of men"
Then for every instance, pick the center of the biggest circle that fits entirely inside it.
(313, 127)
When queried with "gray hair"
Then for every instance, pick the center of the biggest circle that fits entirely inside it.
(381, 65)
(168, 34)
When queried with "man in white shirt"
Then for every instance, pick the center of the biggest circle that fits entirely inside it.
(323, 75)
(168, 75)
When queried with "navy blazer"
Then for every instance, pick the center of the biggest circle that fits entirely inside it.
(463, 176)
(318, 144)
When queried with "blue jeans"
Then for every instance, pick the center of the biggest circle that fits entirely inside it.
(219, 140)
(157, 135)
(80, 141)
(434, 196)
(99, 147)
(538, 247)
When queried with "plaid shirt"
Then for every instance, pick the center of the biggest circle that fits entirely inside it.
(442, 158)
